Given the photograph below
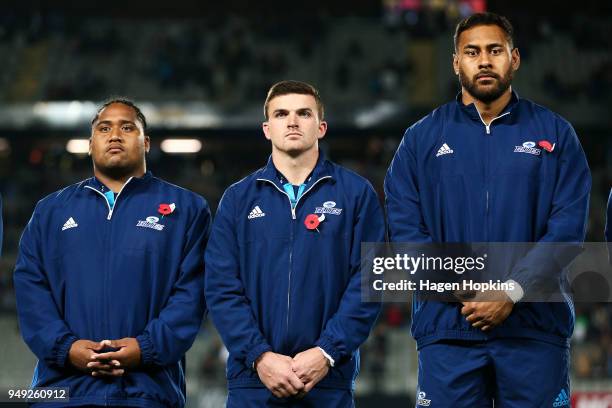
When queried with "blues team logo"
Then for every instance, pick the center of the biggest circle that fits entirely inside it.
(150, 222)
(329, 207)
(422, 399)
(529, 148)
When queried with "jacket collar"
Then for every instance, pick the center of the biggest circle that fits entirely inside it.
(323, 168)
(472, 112)
(93, 182)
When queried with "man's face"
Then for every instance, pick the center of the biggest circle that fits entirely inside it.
(484, 62)
(118, 143)
(293, 124)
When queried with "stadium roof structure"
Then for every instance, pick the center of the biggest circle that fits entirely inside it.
(186, 115)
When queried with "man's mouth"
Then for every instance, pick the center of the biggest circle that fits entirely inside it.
(486, 76)
(114, 149)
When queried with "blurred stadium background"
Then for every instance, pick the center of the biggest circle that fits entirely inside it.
(201, 71)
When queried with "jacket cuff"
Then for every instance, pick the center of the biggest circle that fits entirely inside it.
(329, 348)
(63, 350)
(255, 353)
(147, 351)
(330, 360)
(515, 294)
(528, 276)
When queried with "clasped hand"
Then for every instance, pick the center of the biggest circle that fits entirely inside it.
(285, 376)
(91, 357)
(487, 310)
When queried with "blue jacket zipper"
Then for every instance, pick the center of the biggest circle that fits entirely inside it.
(487, 168)
(293, 218)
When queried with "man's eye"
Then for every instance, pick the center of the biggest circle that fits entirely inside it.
(128, 128)
(306, 114)
(104, 129)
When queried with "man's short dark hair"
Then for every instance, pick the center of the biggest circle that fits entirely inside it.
(139, 115)
(480, 19)
(293, 87)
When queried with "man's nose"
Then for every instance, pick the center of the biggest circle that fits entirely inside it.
(484, 61)
(292, 120)
(116, 133)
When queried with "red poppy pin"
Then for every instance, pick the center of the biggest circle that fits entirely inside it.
(312, 221)
(546, 145)
(166, 209)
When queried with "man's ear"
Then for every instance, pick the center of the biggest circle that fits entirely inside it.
(265, 126)
(322, 129)
(516, 59)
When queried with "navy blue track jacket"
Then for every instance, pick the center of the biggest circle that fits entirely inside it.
(86, 271)
(453, 179)
(274, 285)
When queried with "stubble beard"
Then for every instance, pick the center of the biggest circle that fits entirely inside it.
(486, 95)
